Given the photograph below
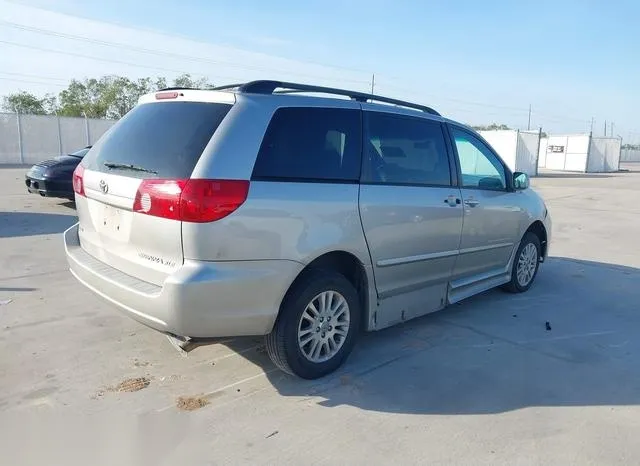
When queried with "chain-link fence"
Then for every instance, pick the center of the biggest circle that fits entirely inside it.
(27, 139)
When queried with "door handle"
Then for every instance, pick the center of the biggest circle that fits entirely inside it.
(471, 202)
(452, 201)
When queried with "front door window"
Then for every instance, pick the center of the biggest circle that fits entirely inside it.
(480, 168)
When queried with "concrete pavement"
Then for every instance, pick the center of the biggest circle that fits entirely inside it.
(483, 382)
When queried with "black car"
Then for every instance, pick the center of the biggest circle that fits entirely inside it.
(53, 177)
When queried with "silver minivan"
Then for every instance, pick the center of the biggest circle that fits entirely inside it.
(302, 213)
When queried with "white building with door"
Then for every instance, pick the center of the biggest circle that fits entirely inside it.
(580, 153)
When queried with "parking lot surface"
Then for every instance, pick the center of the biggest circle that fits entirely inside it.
(482, 382)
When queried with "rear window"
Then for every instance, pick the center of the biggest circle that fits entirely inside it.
(311, 144)
(165, 139)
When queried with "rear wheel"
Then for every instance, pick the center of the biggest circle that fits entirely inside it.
(317, 325)
(525, 264)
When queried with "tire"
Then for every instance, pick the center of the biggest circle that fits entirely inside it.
(283, 344)
(516, 285)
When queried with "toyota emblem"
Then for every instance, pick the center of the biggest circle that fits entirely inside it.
(104, 187)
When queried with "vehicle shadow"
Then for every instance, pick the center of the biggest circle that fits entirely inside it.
(16, 224)
(68, 204)
(570, 341)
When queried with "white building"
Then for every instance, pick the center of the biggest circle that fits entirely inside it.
(518, 149)
(580, 153)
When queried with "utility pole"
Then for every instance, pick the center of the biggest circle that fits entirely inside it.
(593, 120)
(373, 82)
(605, 128)
(86, 127)
(529, 122)
(20, 145)
(59, 133)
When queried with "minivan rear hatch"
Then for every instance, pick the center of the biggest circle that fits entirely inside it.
(126, 185)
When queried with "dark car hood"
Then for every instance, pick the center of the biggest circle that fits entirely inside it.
(57, 162)
(62, 165)
(67, 160)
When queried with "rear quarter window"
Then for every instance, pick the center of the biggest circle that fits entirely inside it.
(166, 138)
(311, 144)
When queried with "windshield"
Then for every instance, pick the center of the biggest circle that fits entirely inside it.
(163, 139)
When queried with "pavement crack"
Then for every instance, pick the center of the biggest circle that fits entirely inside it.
(508, 341)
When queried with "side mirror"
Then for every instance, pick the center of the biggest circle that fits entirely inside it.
(520, 181)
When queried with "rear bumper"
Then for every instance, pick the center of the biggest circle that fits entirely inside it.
(49, 188)
(200, 299)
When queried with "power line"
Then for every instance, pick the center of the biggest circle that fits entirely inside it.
(554, 117)
(203, 60)
(34, 76)
(107, 60)
(468, 102)
(159, 52)
(184, 37)
(522, 110)
(454, 108)
(31, 82)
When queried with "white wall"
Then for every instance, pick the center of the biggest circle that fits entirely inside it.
(527, 152)
(604, 155)
(556, 160)
(577, 153)
(566, 152)
(580, 153)
(542, 153)
(630, 155)
(29, 139)
(518, 149)
(9, 139)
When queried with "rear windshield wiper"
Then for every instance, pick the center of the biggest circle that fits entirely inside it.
(128, 166)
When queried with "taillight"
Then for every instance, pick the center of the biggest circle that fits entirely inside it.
(192, 200)
(210, 200)
(78, 180)
(160, 198)
(167, 95)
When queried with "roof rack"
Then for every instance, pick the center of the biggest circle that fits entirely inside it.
(269, 87)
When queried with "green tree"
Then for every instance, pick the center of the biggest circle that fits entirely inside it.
(84, 98)
(25, 102)
(491, 127)
(186, 81)
(121, 94)
(105, 97)
(160, 83)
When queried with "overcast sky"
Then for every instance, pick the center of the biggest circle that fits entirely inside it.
(478, 63)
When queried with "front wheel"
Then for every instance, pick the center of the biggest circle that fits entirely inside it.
(317, 325)
(525, 264)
